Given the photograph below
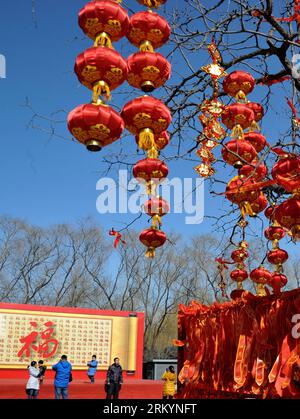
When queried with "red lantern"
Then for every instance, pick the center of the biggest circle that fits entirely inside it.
(95, 125)
(277, 282)
(286, 173)
(148, 70)
(270, 212)
(145, 117)
(278, 256)
(259, 205)
(287, 215)
(238, 84)
(104, 20)
(152, 3)
(239, 275)
(274, 233)
(261, 277)
(152, 171)
(255, 171)
(239, 255)
(148, 31)
(162, 140)
(257, 109)
(256, 139)
(243, 198)
(237, 117)
(101, 69)
(156, 208)
(152, 239)
(237, 152)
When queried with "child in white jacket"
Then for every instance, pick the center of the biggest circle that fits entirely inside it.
(33, 384)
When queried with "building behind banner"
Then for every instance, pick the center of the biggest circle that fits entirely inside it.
(29, 332)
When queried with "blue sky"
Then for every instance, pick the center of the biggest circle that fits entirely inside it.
(47, 181)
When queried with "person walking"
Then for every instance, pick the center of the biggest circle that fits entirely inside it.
(114, 379)
(42, 369)
(93, 364)
(33, 384)
(63, 377)
(169, 378)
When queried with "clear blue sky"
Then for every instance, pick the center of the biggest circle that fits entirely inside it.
(48, 181)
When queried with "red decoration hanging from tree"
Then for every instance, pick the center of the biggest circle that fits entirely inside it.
(104, 21)
(261, 277)
(152, 239)
(148, 70)
(148, 31)
(101, 69)
(95, 126)
(238, 152)
(286, 172)
(287, 215)
(152, 171)
(156, 207)
(239, 84)
(146, 117)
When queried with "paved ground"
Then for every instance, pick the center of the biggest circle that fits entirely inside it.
(82, 389)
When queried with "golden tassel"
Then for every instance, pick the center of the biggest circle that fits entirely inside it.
(151, 188)
(146, 46)
(156, 221)
(237, 132)
(146, 139)
(254, 126)
(153, 3)
(246, 209)
(240, 96)
(260, 290)
(101, 88)
(150, 252)
(103, 40)
(152, 153)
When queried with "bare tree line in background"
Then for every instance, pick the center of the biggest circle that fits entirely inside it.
(74, 265)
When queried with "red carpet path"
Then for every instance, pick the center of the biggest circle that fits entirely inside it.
(82, 389)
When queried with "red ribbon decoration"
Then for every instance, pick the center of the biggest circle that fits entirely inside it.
(295, 116)
(118, 237)
(294, 17)
(267, 81)
(239, 349)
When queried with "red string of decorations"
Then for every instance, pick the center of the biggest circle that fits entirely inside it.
(101, 69)
(148, 118)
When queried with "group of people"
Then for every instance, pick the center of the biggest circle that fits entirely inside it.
(63, 377)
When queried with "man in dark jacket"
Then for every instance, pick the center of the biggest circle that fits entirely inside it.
(114, 379)
(62, 377)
